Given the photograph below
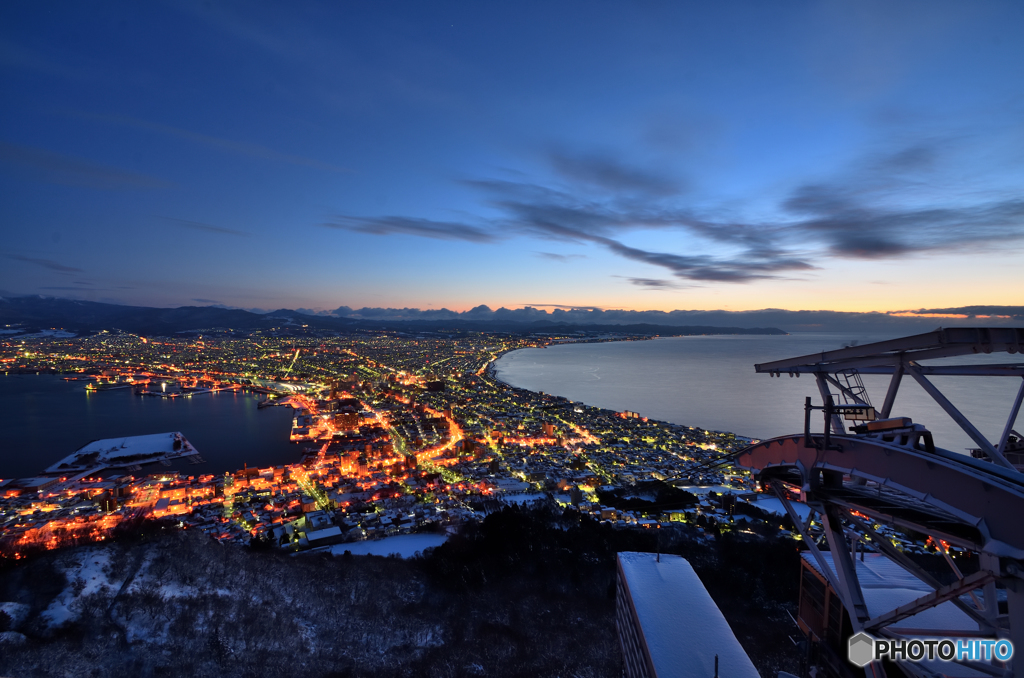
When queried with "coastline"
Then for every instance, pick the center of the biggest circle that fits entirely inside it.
(492, 372)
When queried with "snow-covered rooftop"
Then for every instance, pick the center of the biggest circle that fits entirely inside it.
(681, 625)
(110, 448)
(886, 586)
(115, 451)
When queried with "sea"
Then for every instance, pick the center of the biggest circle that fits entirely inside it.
(44, 419)
(709, 382)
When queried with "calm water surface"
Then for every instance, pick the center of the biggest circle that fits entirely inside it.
(710, 382)
(44, 418)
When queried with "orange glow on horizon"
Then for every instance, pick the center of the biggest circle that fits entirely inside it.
(960, 316)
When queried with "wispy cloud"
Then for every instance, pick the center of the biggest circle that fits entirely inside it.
(45, 263)
(55, 168)
(539, 211)
(968, 312)
(564, 258)
(208, 228)
(653, 283)
(244, 148)
(65, 288)
(611, 174)
(425, 228)
(850, 228)
(558, 215)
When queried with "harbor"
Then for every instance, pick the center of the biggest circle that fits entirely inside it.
(47, 418)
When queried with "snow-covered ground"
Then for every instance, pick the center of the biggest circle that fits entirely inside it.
(405, 545)
(16, 612)
(530, 496)
(704, 489)
(773, 505)
(86, 570)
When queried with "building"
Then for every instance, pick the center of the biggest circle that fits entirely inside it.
(668, 625)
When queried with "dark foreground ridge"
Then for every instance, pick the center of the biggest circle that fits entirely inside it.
(526, 592)
(37, 313)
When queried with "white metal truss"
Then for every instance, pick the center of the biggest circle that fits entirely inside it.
(893, 474)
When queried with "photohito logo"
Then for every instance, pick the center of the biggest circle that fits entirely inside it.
(864, 649)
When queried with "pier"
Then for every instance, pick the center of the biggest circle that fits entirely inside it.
(183, 393)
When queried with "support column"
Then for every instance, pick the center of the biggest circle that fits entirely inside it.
(1012, 418)
(837, 422)
(959, 418)
(846, 568)
(890, 395)
(990, 563)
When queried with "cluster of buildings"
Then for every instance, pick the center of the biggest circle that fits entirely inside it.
(396, 434)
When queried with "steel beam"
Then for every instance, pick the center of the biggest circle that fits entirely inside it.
(889, 364)
(1011, 419)
(890, 395)
(809, 364)
(837, 422)
(959, 418)
(960, 575)
(846, 568)
(901, 559)
(908, 524)
(941, 343)
(990, 563)
(780, 492)
(979, 495)
(955, 370)
(930, 600)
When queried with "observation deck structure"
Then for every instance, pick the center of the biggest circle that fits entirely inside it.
(887, 470)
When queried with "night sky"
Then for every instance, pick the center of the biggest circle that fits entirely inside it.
(852, 156)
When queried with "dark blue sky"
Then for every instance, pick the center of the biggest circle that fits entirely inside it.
(854, 156)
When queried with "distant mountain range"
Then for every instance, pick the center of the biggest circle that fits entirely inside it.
(37, 312)
(33, 313)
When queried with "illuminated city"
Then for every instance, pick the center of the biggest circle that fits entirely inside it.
(393, 435)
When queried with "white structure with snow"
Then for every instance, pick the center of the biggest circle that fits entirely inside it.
(131, 450)
(669, 626)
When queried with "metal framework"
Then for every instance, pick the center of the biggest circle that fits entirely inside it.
(888, 471)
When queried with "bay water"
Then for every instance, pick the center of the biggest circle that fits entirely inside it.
(710, 382)
(44, 419)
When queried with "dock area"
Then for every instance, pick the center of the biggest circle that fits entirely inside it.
(184, 393)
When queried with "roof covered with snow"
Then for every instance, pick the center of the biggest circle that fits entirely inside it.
(681, 625)
(129, 449)
(886, 586)
(155, 443)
